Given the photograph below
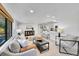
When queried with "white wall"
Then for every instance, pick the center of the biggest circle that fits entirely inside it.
(14, 27)
(68, 15)
(70, 27)
(23, 27)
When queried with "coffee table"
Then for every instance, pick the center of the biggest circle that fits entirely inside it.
(42, 46)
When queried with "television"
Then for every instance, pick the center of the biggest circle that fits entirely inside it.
(29, 32)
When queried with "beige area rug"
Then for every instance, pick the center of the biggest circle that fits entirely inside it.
(53, 50)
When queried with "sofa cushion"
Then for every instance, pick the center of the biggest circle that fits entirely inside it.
(14, 47)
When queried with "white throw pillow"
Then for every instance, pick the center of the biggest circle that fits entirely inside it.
(23, 42)
(14, 47)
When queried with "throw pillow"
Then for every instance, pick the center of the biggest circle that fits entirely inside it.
(14, 47)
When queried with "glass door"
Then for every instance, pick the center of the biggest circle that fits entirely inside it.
(2, 30)
(5, 29)
(9, 29)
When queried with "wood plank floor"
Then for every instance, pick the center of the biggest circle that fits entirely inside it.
(53, 50)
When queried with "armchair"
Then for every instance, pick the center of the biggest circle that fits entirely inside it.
(69, 45)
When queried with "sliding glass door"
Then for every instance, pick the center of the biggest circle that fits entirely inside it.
(9, 29)
(5, 29)
(2, 30)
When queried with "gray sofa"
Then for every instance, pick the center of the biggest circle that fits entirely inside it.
(14, 50)
(31, 52)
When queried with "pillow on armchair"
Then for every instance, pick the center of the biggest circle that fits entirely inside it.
(14, 47)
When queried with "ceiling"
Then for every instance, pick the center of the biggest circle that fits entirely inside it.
(43, 12)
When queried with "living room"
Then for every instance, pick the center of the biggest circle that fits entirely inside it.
(52, 22)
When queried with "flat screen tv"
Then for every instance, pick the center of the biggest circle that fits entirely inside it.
(29, 33)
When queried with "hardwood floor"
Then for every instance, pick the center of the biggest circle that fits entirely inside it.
(53, 50)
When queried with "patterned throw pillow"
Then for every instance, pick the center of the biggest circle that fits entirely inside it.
(14, 47)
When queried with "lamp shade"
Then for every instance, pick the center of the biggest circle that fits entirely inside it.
(60, 29)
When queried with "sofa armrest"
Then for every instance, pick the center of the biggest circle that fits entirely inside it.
(31, 52)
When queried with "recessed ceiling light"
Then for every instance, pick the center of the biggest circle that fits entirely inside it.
(53, 17)
(54, 20)
(31, 11)
(48, 16)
